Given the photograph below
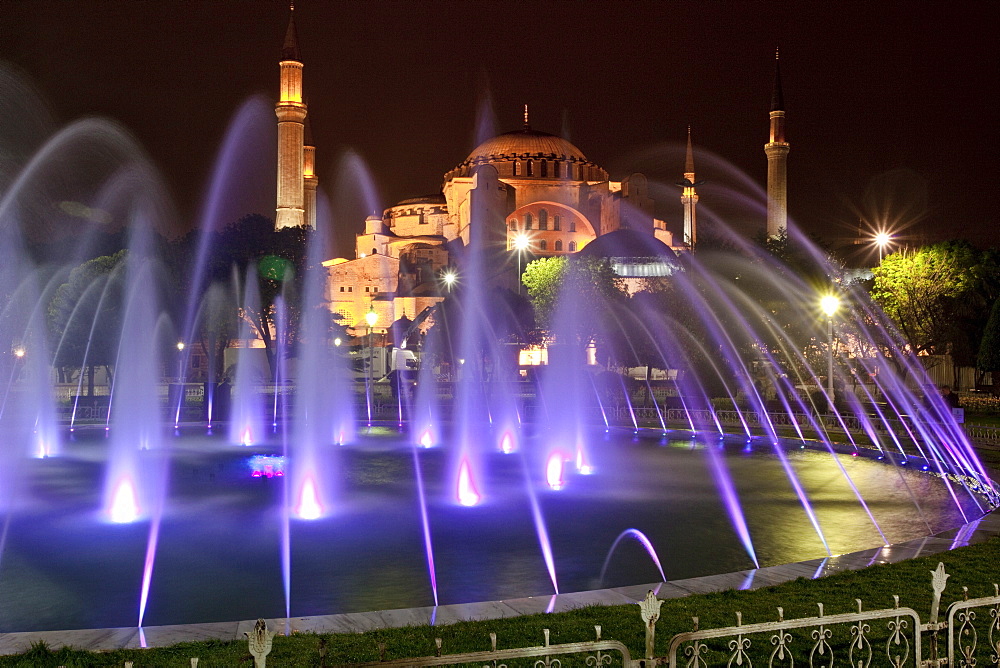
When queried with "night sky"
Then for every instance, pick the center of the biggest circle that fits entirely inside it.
(892, 106)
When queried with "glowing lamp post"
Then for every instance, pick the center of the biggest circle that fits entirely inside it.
(19, 352)
(882, 239)
(829, 304)
(449, 277)
(521, 242)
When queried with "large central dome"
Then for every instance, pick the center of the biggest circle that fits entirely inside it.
(530, 154)
(525, 142)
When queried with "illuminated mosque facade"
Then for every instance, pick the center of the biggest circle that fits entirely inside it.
(525, 189)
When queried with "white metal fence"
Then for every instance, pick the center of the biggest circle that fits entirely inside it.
(969, 635)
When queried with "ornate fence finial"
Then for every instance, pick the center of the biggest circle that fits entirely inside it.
(938, 580)
(259, 643)
(649, 608)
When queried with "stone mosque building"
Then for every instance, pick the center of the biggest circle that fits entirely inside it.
(524, 189)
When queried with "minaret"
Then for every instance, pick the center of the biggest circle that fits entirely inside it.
(310, 181)
(689, 197)
(291, 112)
(777, 162)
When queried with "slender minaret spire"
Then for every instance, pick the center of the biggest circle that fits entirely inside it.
(291, 112)
(689, 197)
(777, 162)
(310, 182)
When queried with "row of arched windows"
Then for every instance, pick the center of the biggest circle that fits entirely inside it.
(543, 222)
(559, 170)
(557, 246)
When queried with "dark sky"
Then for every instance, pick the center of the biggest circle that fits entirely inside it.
(892, 106)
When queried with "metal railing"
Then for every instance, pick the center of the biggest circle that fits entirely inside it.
(893, 637)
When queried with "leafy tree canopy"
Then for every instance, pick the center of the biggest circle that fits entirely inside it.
(923, 290)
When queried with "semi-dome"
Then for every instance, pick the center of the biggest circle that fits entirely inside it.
(625, 243)
(526, 142)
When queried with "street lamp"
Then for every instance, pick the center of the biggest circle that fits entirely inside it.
(521, 242)
(19, 352)
(829, 304)
(882, 239)
(371, 318)
(449, 277)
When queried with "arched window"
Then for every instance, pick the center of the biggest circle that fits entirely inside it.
(572, 247)
(558, 245)
(556, 222)
(374, 251)
(527, 221)
(517, 168)
(513, 225)
(556, 169)
(543, 220)
(543, 245)
(545, 167)
(572, 225)
(529, 168)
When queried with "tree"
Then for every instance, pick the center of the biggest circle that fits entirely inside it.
(543, 279)
(989, 348)
(85, 315)
(280, 260)
(578, 299)
(923, 292)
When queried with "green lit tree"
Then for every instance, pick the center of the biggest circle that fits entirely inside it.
(925, 292)
(579, 300)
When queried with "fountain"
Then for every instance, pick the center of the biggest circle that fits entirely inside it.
(486, 487)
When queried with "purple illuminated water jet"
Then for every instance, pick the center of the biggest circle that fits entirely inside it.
(639, 536)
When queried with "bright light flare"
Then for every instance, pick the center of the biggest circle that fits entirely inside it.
(427, 439)
(554, 471)
(466, 492)
(507, 444)
(309, 506)
(124, 506)
(882, 239)
(829, 304)
(521, 241)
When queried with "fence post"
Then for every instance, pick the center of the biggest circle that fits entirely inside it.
(938, 580)
(649, 608)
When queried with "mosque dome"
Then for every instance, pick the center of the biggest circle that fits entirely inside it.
(436, 198)
(525, 142)
(530, 154)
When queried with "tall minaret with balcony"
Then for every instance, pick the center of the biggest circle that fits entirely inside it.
(291, 112)
(689, 197)
(777, 162)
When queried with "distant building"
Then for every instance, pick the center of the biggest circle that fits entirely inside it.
(523, 189)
